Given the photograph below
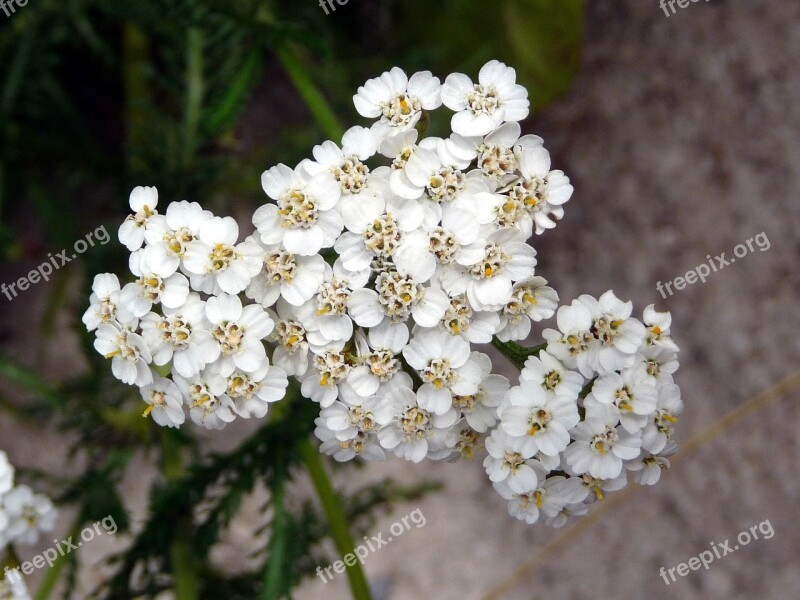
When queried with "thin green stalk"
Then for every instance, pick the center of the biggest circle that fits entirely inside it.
(336, 518)
(311, 95)
(515, 353)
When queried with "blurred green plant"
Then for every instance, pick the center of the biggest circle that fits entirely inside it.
(99, 96)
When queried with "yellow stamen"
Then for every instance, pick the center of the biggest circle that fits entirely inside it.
(323, 381)
(113, 354)
(148, 410)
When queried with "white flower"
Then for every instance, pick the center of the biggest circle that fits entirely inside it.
(601, 444)
(137, 298)
(104, 303)
(395, 299)
(216, 262)
(505, 463)
(295, 278)
(12, 587)
(291, 353)
(325, 317)
(29, 515)
(239, 332)
(182, 336)
(409, 430)
(659, 429)
(657, 362)
(658, 324)
(482, 107)
(443, 362)
(164, 402)
(347, 421)
(540, 418)
(489, 284)
(398, 100)
(617, 335)
(548, 373)
(480, 407)
(143, 201)
(304, 220)
(253, 392)
(345, 163)
(632, 394)
(648, 466)
(573, 336)
(169, 237)
(321, 383)
(375, 366)
(205, 396)
(129, 353)
(475, 326)
(531, 300)
(464, 441)
(6, 474)
(549, 498)
(362, 444)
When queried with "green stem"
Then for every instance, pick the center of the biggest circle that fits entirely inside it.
(336, 518)
(515, 353)
(319, 107)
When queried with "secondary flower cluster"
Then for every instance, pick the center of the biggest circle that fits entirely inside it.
(373, 269)
(598, 402)
(24, 515)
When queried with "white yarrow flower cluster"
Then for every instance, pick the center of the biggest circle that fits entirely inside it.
(374, 267)
(24, 515)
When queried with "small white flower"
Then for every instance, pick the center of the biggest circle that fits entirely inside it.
(137, 298)
(540, 418)
(238, 332)
(329, 369)
(409, 430)
(482, 107)
(573, 336)
(305, 218)
(29, 515)
(169, 237)
(601, 445)
(182, 336)
(648, 466)
(291, 354)
(480, 408)
(658, 324)
(6, 474)
(129, 353)
(439, 359)
(363, 444)
(658, 431)
(531, 300)
(104, 303)
(253, 392)
(205, 396)
(545, 371)
(617, 335)
(397, 99)
(143, 201)
(345, 163)
(374, 366)
(12, 587)
(489, 283)
(657, 362)
(506, 463)
(633, 395)
(295, 278)
(164, 402)
(216, 262)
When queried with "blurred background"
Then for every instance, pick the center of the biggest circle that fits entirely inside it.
(681, 135)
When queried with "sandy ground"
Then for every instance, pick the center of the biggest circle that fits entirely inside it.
(681, 136)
